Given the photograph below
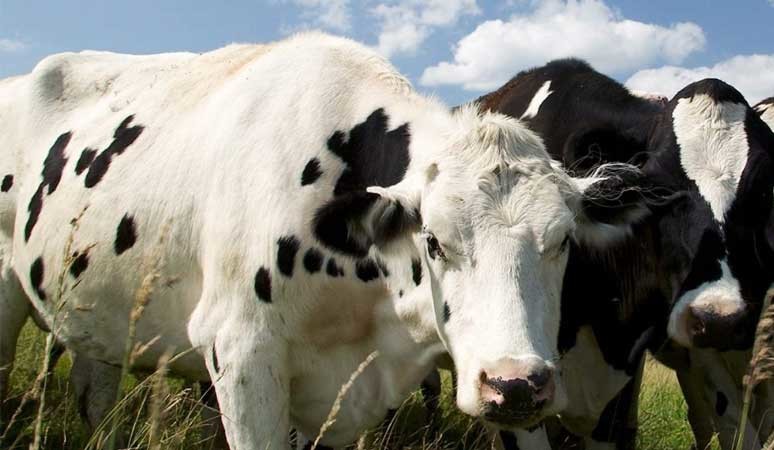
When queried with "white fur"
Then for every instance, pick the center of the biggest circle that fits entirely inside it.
(213, 182)
(767, 114)
(537, 100)
(590, 382)
(713, 147)
(722, 296)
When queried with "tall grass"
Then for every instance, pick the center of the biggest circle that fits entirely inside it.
(164, 412)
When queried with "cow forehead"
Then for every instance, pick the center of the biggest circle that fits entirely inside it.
(713, 147)
(510, 203)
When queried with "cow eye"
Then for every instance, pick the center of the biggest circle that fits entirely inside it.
(434, 248)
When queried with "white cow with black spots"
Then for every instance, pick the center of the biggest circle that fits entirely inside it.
(307, 209)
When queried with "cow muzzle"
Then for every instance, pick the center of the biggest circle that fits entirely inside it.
(717, 323)
(711, 328)
(516, 392)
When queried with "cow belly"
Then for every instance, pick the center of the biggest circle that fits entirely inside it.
(590, 381)
(100, 332)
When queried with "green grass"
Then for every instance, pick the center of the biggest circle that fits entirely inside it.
(663, 416)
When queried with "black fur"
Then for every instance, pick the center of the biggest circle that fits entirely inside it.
(721, 403)
(7, 183)
(333, 270)
(311, 172)
(416, 271)
(287, 247)
(126, 234)
(263, 285)
(313, 260)
(80, 263)
(367, 270)
(36, 277)
(373, 156)
(53, 166)
(87, 157)
(123, 137)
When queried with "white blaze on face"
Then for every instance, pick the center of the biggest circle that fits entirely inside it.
(713, 147)
(722, 297)
(537, 100)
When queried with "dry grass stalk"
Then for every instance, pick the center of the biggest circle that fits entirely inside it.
(159, 392)
(331, 419)
(60, 298)
(761, 365)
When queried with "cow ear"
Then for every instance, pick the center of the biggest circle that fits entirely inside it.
(612, 199)
(587, 149)
(353, 222)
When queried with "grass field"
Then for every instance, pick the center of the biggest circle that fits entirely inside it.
(167, 415)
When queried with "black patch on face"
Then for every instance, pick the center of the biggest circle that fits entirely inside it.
(126, 235)
(7, 183)
(79, 264)
(87, 157)
(287, 247)
(311, 172)
(313, 260)
(400, 293)
(53, 166)
(123, 137)
(36, 277)
(333, 270)
(721, 403)
(416, 271)
(446, 312)
(373, 156)
(263, 285)
(367, 270)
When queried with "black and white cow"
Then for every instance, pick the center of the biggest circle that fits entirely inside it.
(308, 209)
(699, 262)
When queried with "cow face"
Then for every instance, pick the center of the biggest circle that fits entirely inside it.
(493, 218)
(714, 241)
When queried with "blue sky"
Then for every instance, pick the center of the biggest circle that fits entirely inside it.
(456, 49)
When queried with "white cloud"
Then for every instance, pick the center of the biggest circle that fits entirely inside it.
(331, 14)
(496, 50)
(753, 75)
(10, 45)
(405, 24)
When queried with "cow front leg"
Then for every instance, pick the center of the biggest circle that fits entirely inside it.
(95, 384)
(252, 387)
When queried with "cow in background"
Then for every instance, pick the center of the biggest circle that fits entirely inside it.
(695, 271)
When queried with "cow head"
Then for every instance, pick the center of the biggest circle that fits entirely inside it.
(715, 241)
(492, 217)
